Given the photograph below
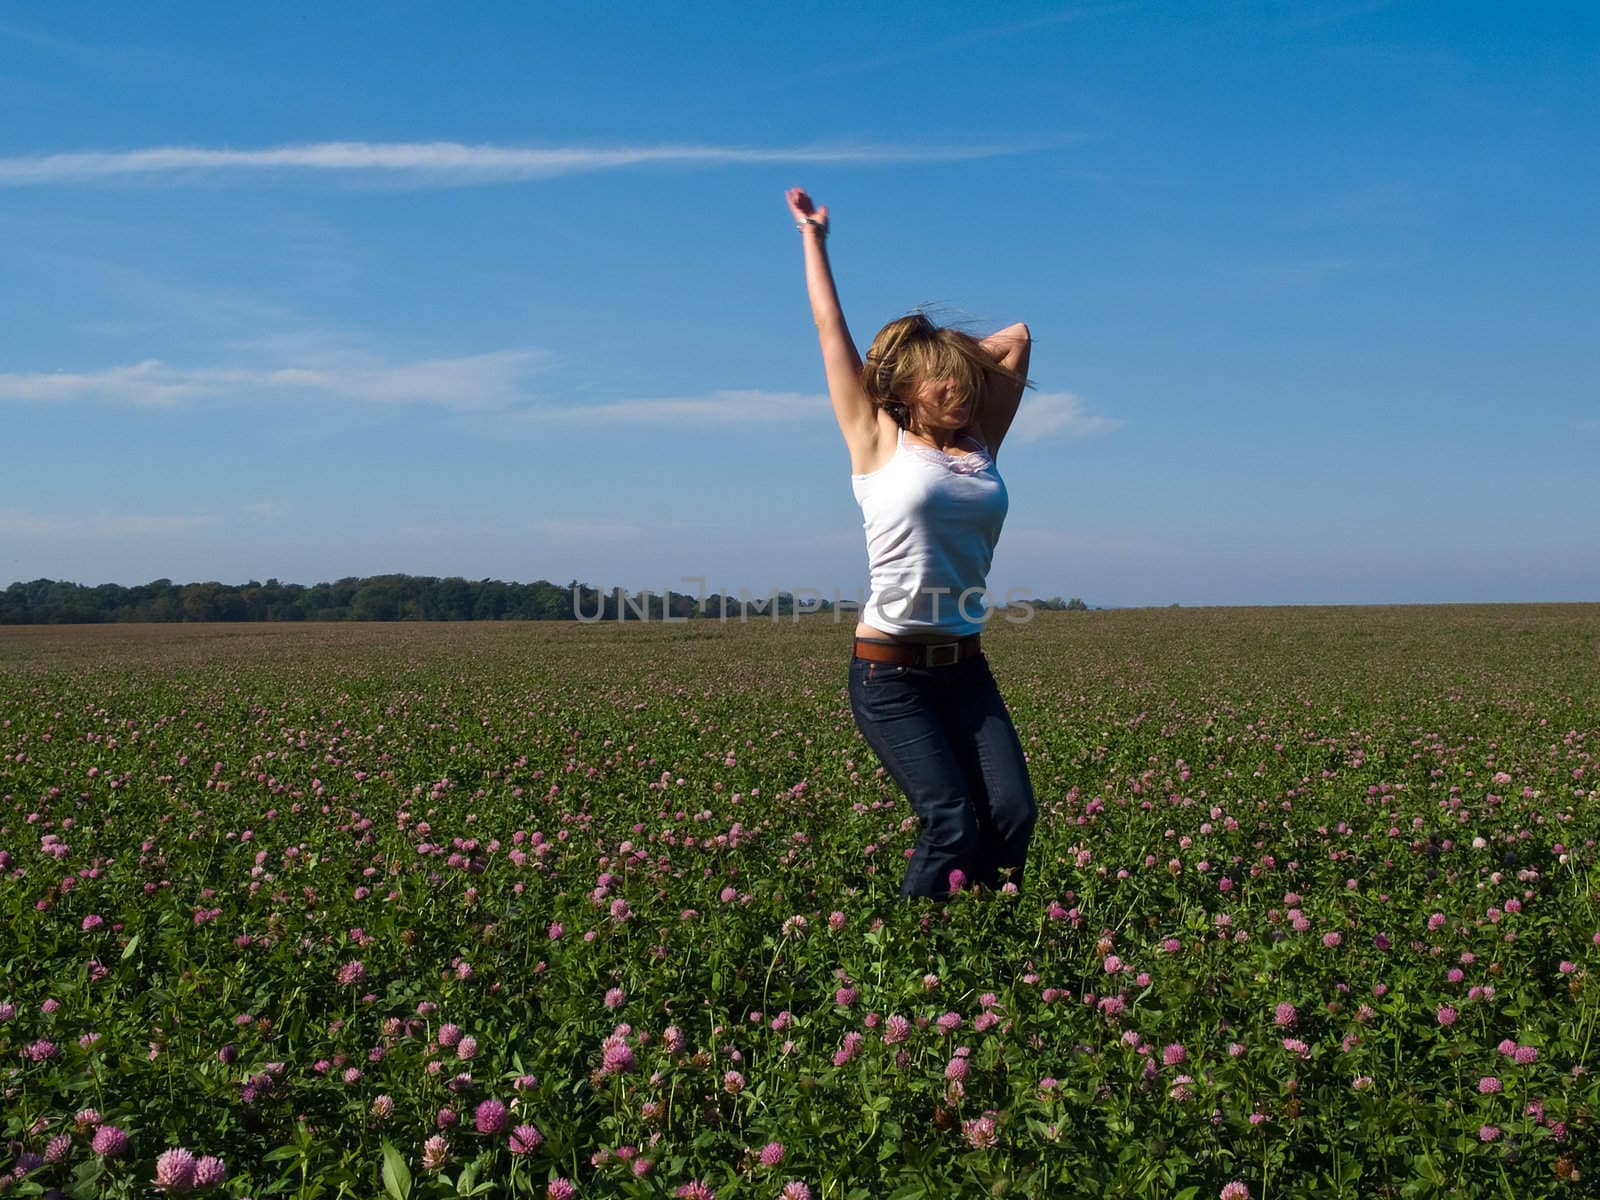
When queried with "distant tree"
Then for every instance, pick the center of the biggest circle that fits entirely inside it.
(202, 602)
(453, 599)
(14, 606)
(547, 602)
(231, 605)
(1077, 605)
(491, 601)
(254, 601)
(163, 601)
(378, 599)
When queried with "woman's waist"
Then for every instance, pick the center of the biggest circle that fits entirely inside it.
(915, 637)
(926, 614)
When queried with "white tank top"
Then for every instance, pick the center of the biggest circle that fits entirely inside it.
(932, 521)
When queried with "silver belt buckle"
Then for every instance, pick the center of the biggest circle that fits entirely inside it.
(945, 654)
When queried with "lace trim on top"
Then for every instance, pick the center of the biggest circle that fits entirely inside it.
(962, 464)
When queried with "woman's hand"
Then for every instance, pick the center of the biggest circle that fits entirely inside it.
(1007, 345)
(804, 210)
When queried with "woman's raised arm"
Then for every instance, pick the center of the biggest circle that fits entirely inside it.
(1010, 348)
(840, 360)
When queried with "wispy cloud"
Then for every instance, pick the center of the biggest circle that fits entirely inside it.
(1047, 414)
(1042, 415)
(201, 311)
(481, 383)
(449, 164)
(124, 62)
(742, 407)
(1589, 425)
(24, 522)
(470, 383)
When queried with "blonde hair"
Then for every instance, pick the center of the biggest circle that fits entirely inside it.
(911, 351)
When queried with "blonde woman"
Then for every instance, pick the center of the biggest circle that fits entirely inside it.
(923, 417)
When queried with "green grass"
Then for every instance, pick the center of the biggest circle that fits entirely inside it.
(1341, 764)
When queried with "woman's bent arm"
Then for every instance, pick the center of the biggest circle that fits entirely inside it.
(840, 359)
(1011, 348)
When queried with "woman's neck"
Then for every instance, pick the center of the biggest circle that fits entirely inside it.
(944, 440)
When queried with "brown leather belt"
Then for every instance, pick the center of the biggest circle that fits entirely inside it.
(919, 654)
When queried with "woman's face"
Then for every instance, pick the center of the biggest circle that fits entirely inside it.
(938, 404)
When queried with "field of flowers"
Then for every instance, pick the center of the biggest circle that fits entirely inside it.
(554, 910)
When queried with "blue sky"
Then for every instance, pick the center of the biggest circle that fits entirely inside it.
(510, 291)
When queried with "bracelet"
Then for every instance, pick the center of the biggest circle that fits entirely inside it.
(801, 225)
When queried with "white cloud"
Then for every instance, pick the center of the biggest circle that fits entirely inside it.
(22, 522)
(479, 383)
(1589, 425)
(1041, 415)
(471, 382)
(149, 382)
(1044, 414)
(447, 164)
(749, 406)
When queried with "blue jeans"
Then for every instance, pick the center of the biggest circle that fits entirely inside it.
(945, 737)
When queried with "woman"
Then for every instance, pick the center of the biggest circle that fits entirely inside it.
(923, 419)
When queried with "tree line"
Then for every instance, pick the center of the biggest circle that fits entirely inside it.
(384, 598)
(388, 598)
